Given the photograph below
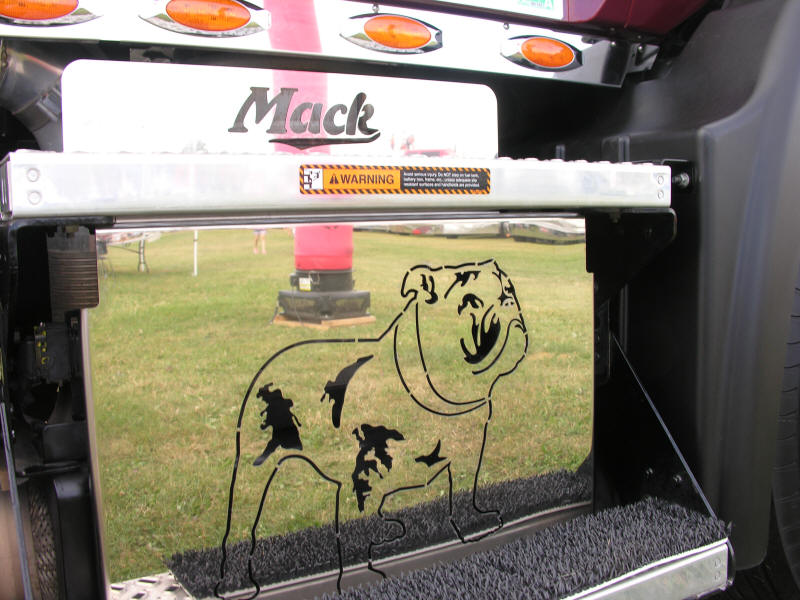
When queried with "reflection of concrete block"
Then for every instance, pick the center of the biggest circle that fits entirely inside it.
(322, 306)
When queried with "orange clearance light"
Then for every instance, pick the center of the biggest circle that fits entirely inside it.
(398, 32)
(547, 53)
(36, 10)
(208, 15)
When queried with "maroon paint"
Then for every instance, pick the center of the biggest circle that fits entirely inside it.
(650, 16)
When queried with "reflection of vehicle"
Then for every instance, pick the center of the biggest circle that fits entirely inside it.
(452, 228)
(549, 231)
(679, 122)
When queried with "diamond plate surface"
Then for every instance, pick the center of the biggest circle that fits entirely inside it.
(162, 586)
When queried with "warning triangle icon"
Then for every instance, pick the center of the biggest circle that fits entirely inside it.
(334, 180)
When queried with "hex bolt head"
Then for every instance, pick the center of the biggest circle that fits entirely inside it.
(681, 180)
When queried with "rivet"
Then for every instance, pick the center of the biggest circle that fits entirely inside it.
(660, 194)
(34, 197)
(33, 175)
(660, 180)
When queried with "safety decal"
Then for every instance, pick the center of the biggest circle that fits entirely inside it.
(374, 179)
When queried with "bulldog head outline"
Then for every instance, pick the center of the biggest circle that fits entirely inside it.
(487, 338)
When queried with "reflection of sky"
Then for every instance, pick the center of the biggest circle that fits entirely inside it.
(150, 107)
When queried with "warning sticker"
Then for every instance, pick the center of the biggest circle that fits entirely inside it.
(371, 179)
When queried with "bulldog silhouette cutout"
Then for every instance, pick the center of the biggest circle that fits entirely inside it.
(460, 331)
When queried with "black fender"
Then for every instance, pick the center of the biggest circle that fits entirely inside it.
(719, 300)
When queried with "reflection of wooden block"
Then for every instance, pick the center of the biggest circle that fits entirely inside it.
(324, 325)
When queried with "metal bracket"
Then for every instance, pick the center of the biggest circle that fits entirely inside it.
(618, 246)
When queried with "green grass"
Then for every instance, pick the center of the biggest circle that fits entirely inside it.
(173, 354)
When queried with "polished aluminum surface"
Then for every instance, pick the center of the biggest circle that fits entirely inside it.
(690, 575)
(468, 43)
(50, 184)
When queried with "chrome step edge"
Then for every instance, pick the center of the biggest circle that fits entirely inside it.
(692, 574)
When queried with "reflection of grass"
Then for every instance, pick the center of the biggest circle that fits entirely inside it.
(173, 354)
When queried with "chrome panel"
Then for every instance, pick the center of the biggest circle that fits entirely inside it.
(469, 43)
(60, 184)
(690, 575)
(192, 108)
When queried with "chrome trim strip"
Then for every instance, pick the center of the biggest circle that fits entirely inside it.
(690, 575)
(51, 184)
(94, 465)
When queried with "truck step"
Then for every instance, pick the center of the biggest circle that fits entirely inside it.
(120, 185)
(650, 549)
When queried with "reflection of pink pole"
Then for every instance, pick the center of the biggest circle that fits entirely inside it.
(294, 27)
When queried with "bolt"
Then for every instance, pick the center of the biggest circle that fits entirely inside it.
(649, 472)
(660, 180)
(376, 8)
(681, 180)
(660, 194)
(677, 479)
(34, 197)
(33, 175)
(505, 26)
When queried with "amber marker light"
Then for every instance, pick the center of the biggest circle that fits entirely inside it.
(394, 31)
(390, 33)
(547, 53)
(208, 15)
(36, 10)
